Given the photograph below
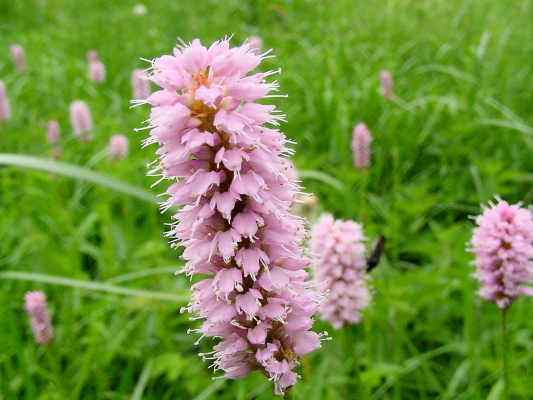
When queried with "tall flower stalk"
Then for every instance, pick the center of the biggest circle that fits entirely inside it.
(503, 246)
(233, 184)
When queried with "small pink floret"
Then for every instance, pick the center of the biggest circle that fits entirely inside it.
(81, 120)
(37, 310)
(118, 147)
(5, 108)
(361, 141)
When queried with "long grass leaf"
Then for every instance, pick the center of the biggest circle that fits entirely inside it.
(322, 177)
(73, 171)
(96, 286)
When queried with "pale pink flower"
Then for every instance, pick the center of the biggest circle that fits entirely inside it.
(18, 57)
(97, 71)
(140, 84)
(81, 120)
(503, 246)
(5, 108)
(255, 42)
(233, 186)
(340, 269)
(53, 132)
(118, 147)
(361, 141)
(37, 310)
(385, 79)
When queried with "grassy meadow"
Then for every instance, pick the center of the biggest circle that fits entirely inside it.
(458, 131)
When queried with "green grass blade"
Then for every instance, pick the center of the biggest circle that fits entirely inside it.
(143, 380)
(322, 177)
(96, 286)
(208, 391)
(73, 171)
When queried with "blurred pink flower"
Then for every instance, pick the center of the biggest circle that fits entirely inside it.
(140, 84)
(361, 141)
(340, 269)
(92, 56)
(503, 246)
(385, 79)
(118, 147)
(5, 108)
(19, 57)
(233, 186)
(97, 71)
(52, 132)
(81, 120)
(37, 310)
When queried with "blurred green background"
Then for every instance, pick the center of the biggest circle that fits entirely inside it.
(459, 131)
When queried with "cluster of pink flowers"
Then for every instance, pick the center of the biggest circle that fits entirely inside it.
(361, 140)
(18, 57)
(118, 147)
(385, 79)
(140, 84)
(96, 67)
(5, 108)
(37, 310)
(503, 248)
(234, 186)
(340, 269)
(81, 120)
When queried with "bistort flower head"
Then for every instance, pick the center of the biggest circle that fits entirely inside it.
(227, 162)
(503, 247)
(361, 140)
(5, 108)
(18, 57)
(118, 147)
(97, 71)
(53, 132)
(81, 120)
(140, 84)
(340, 269)
(37, 310)
(385, 79)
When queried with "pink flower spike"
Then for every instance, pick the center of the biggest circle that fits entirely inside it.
(19, 57)
(385, 79)
(118, 147)
(81, 120)
(233, 188)
(37, 310)
(340, 269)
(5, 108)
(97, 71)
(361, 140)
(140, 85)
(52, 132)
(503, 247)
